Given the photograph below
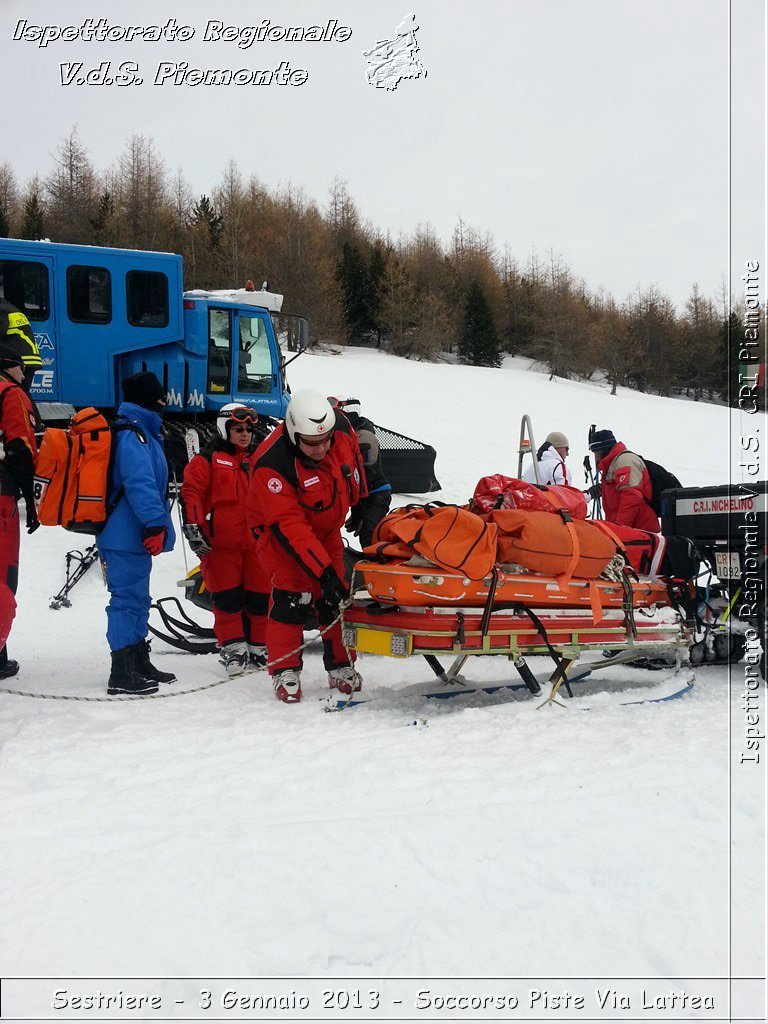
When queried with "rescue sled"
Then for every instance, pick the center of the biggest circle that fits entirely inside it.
(423, 609)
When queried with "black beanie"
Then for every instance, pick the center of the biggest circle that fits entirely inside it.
(602, 439)
(144, 389)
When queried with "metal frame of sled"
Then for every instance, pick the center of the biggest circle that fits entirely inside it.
(513, 633)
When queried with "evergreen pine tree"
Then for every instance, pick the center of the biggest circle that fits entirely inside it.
(479, 342)
(32, 225)
(731, 331)
(352, 275)
(102, 224)
(204, 213)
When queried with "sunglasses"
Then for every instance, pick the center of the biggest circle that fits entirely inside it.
(241, 430)
(316, 442)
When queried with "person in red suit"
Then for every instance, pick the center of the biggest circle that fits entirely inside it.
(625, 486)
(214, 494)
(19, 359)
(308, 475)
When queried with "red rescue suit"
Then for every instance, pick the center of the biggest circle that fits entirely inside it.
(17, 470)
(627, 490)
(214, 493)
(297, 507)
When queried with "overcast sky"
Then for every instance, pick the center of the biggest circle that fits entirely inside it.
(596, 128)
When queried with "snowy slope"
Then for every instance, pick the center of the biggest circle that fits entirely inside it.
(222, 833)
(476, 412)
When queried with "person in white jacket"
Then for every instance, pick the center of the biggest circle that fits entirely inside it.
(551, 460)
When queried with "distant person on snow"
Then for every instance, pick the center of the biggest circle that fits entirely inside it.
(19, 359)
(138, 528)
(308, 474)
(368, 512)
(214, 494)
(551, 459)
(625, 486)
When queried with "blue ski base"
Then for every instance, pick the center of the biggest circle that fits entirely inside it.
(340, 703)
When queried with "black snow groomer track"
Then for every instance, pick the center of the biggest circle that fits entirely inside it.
(729, 526)
(409, 465)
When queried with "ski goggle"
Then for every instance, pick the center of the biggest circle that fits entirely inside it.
(343, 403)
(244, 415)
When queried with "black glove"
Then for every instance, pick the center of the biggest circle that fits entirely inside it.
(334, 590)
(595, 491)
(197, 541)
(355, 522)
(33, 523)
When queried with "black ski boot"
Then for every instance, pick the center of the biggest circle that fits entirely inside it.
(125, 677)
(146, 668)
(8, 667)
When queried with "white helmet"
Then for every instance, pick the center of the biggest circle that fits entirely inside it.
(235, 412)
(309, 413)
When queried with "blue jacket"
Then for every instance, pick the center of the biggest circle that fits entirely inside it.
(139, 482)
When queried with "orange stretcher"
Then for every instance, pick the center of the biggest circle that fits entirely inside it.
(429, 586)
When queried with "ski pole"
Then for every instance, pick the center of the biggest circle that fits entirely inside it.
(597, 508)
(181, 524)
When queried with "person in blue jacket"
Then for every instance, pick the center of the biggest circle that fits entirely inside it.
(138, 528)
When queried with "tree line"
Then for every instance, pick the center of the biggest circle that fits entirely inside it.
(416, 297)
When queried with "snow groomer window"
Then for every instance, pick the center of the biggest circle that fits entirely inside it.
(219, 350)
(147, 297)
(25, 286)
(89, 295)
(254, 359)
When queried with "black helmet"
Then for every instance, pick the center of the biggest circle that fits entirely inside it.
(9, 355)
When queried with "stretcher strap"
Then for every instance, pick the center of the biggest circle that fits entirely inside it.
(565, 578)
(628, 603)
(596, 602)
(486, 619)
(605, 528)
(561, 664)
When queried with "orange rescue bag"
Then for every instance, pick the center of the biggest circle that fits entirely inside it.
(447, 535)
(72, 474)
(543, 543)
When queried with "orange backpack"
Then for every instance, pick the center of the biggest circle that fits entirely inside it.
(72, 476)
(448, 535)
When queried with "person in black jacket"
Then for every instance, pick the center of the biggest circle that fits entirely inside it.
(369, 511)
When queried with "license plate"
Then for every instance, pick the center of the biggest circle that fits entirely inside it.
(727, 565)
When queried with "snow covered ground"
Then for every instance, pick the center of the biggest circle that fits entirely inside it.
(224, 834)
